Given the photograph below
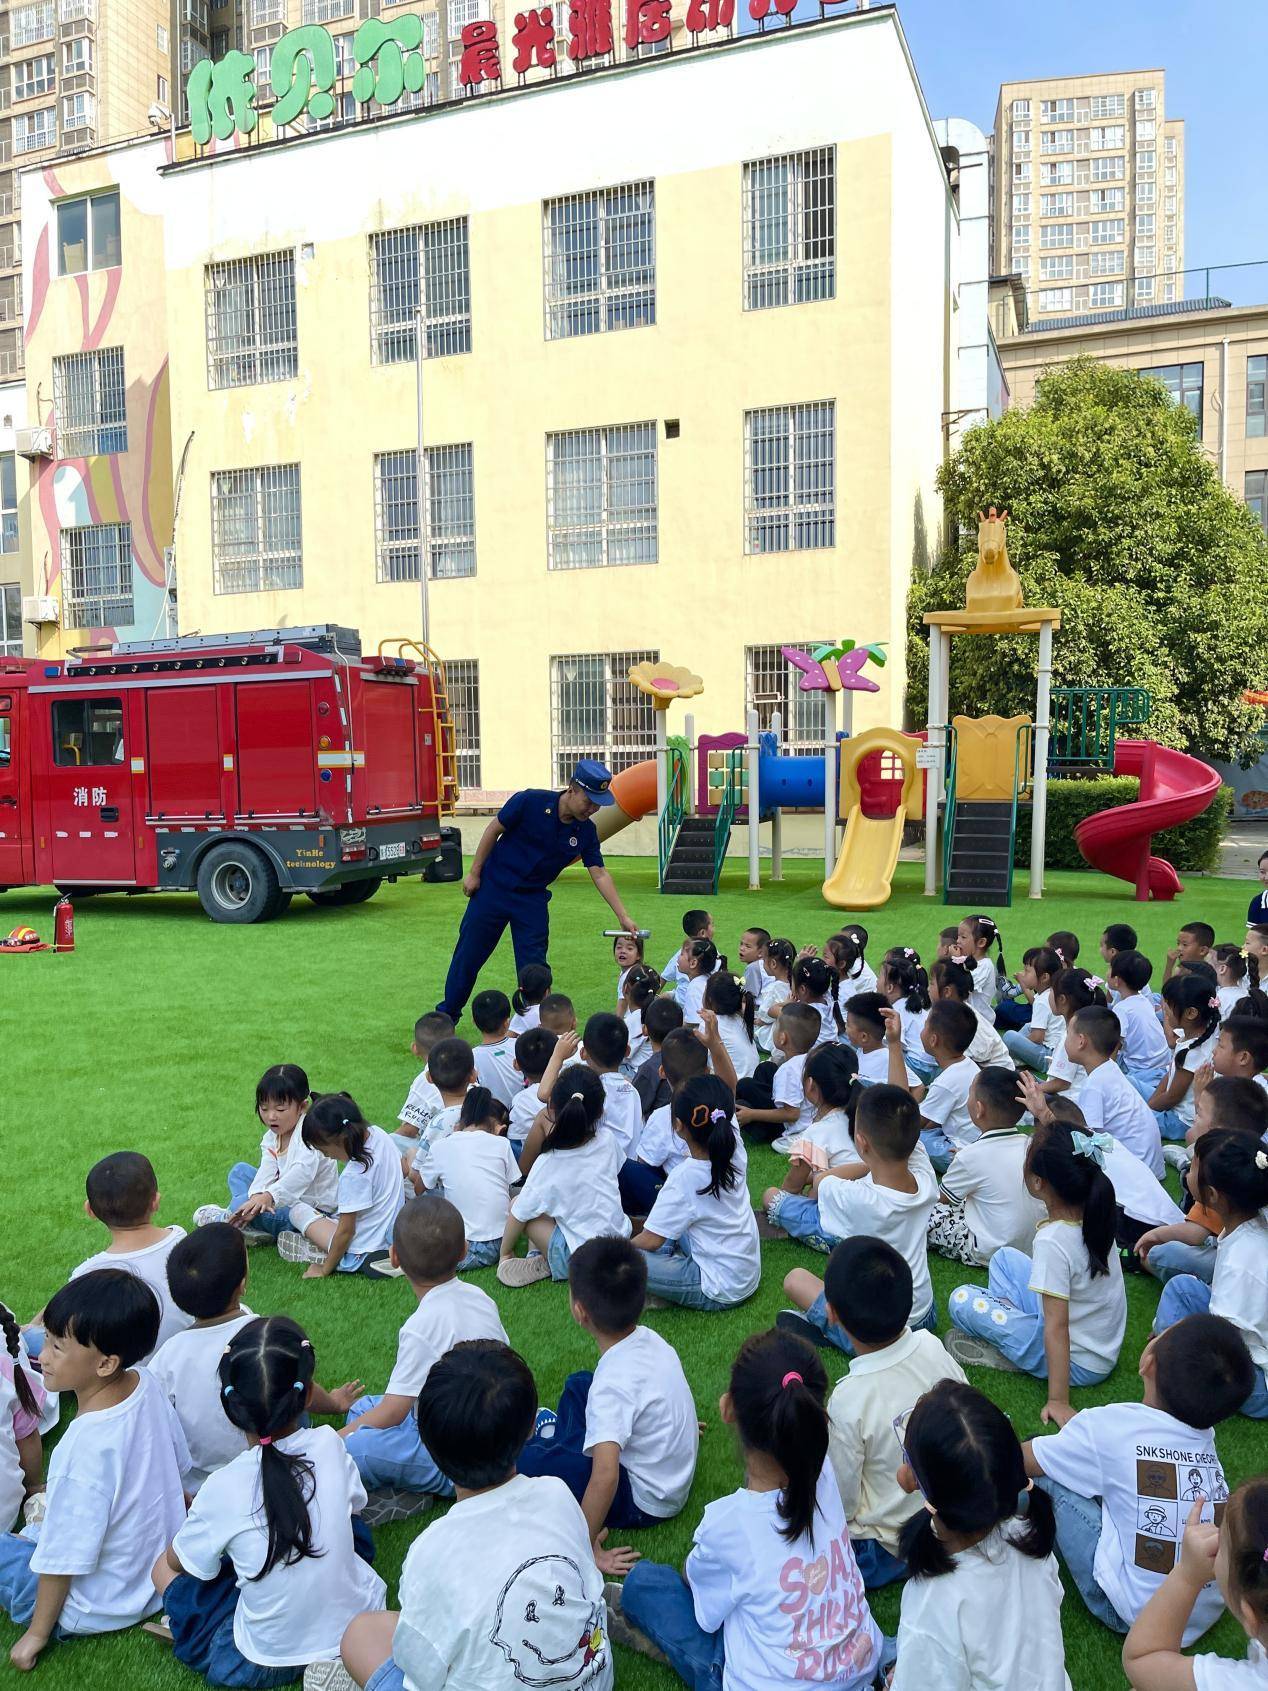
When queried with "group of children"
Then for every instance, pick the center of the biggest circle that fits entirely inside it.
(1018, 1127)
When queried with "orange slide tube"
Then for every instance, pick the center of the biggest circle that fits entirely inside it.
(634, 790)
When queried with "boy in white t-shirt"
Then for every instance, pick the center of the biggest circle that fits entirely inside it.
(505, 1589)
(1125, 1476)
(624, 1438)
(985, 1203)
(115, 1495)
(1146, 1056)
(424, 1100)
(946, 1125)
(495, 1054)
(395, 1466)
(605, 1047)
(775, 1106)
(1108, 1100)
(532, 1056)
(452, 1067)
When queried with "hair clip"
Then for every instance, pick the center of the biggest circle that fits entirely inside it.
(1212, 1003)
(1095, 982)
(1061, 954)
(226, 1391)
(700, 1115)
(1092, 1145)
(1261, 1160)
(298, 1386)
(788, 1379)
(304, 1344)
(266, 1440)
(718, 1115)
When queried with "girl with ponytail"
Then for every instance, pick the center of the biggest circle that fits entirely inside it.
(535, 981)
(904, 985)
(1072, 990)
(781, 955)
(369, 1195)
(701, 1238)
(974, 938)
(735, 1009)
(814, 983)
(983, 1605)
(570, 1193)
(771, 1563)
(267, 1570)
(21, 1406)
(1061, 1313)
(642, 983)
(1191, 1016)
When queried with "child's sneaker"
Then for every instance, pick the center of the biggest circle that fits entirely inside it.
(793, 1321)
(624, 1632)
(1176, 1154)
(971, 1352)
(392, 1503)
(294, 1247)
(519, 1271)
(328, 1676)
(206, 1214)
(545, 1423)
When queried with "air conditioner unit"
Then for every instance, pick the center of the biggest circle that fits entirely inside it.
(40, 609)
(34, 443)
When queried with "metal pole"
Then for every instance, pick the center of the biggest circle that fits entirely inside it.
(934, 726)
(830, 787)
(754, 806)
(777, 819)
(1039, 797)
(689, 731)
(662, 759)
(422, 479)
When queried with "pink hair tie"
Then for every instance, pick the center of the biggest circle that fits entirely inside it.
(266, 1441)
(789, 1377)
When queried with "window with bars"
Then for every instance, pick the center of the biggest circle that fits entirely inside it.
(1057, 268)
(1059, 175)
(97, 575)
(1108, 168)
(256, 536)
(11, 620)
(326, 11)
(594, 712)
(430, 265)
(34, 76)
(450, 513)
(8, 502)
(1056, 111)
(1107, 105)
(1103, 296)
(1105, 264)
(1106, 199)
(1109, 232)
(29, 24)
(1056, 205)
(770, 685)
(790, 478)
(462, 682)
(1256, 499)
(33, 130)
(1256, 388)
(601, 505)
(79, 111)
(599, 258)
(1056, 140)
(251, 327)
(77, 56)
(267, 11)
(790, 237)
(1056, 235)
(89, 398)
(1184, 383)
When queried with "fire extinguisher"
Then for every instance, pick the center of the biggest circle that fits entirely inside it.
(64, 925)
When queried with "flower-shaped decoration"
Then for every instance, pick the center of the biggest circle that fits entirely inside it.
(665, 682)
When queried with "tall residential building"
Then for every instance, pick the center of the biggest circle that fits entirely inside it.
(1089, 192)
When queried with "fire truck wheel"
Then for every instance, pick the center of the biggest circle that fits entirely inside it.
(237, 883)
(350, 892)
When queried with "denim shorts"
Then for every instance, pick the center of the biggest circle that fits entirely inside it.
(386, 1677)
(558, 1254)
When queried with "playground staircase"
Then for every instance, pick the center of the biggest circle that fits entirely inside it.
(980, 865)
(691, 866)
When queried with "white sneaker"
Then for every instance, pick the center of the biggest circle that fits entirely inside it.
(328, 1676)
(205, 1214)
(1177, 1154)
(294, 1247)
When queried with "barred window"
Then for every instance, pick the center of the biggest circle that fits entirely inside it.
(326, 11)
(450, 513)
(771, 684)
(599, 252)
(790, 236)
(29, 24)
(33, 76)
(430, 263)
(255, 529)
(33, 130)
(789, 478)
(462, 681)
(594, 712)
(97, 571)
(601, 497)
(251, 328)
(1256, 387)
(89, 398)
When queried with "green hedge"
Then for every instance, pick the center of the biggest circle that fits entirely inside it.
(1194, 846)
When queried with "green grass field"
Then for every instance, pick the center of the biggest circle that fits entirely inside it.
(152, 1035)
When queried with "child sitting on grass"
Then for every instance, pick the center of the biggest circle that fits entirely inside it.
(535, 981)
(532, 1057)
(453, 1071)
(1033, 1045)
(495, 1054)
(867, 1016)
(734, 1008)
(951, 980)
(22, 1404)
(605, 1048)
(476, 1169)
(780, 958)
(1073, 990)
(772, 1101)
(424, 1098)
(1146, 1053)
(1191, 1013)
(1194, 944)
(984, 1201)
(370, 1193)
(1241, 1049)
(684, 1055)
(660, 1018)
(828, 1142)
(641, 987)
(946, 1125)
(289, 1172)
(752, 953)
(904, 985)
(1108, 1100)
(557, 1014)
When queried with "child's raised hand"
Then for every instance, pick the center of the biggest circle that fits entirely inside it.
(1203, 1075)
(1032, 1095)
(567, 1045)
(617, 1561)
(707, 1031)
(893, 1027)
(1197, 1548)
(808, 951)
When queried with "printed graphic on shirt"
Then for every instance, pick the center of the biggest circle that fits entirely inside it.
(547, 1628)
(830, 1639)
(1167, 1484)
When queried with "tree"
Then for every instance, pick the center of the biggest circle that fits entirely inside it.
(1117, 517)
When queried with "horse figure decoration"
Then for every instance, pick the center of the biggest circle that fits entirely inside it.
(994, 584)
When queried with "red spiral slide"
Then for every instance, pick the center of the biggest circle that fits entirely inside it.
(1174, 788)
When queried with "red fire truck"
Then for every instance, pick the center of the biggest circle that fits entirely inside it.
(246, 767)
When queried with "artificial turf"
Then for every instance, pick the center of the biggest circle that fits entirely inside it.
(152, 1035)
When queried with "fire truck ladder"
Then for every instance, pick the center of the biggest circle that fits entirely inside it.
(446, 741)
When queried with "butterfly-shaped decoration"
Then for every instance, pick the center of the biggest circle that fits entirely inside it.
(837, 669)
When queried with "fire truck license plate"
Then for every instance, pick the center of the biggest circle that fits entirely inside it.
(388, 852)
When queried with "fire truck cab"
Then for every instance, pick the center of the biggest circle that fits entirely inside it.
(245, 767)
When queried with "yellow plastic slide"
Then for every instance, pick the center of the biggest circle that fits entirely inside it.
(865, 867)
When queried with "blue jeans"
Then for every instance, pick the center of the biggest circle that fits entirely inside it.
(481, 1253)
(1171, 1124)
(1022, 1049)
(484, 921)
(1008, 1315)
(673, 1275)
(386, 1677)
(1011, 1014)
(940, 1148)
(563, 1455)
(1164, 1262)
(924, 1068)
(817, 1316)
(876, 1565)
(271, 1222)
(18, 1585)
(393, 1458)
(1187, 1295)
(799, 1218)
(200, 1613)
(558, 1255)
(1078, 1535)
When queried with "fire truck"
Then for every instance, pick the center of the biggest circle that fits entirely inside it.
(244, 767)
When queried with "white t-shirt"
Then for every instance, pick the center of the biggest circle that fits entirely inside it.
(1229, 997)
(660, 1146)
(862, 980)
(524, 1112)
(622, 1112)
(992, 1624)
(986, 1177)
(775, 994)
(531, 1017)
(755, 978)
(1061, 1268)
(740, 1048)
(828, 1031)
(115, 1501)
(424, 1101)
(1217, 1673)
(1061, 1067)
(477, 1171)
(578, 1188)
(1192, 1054)
(636, 1033)
(502, 1591)
(913, 1021)
(1111, 1104)
(639, 1398)
(15, 1424)
(495, 1068)
(1145, 1047)
(1137, 1190)
(988, 1050)
(874, 1067)
(148, 1264)
(983, 975)
(1239, 1290)
(1045, 1020)
(826, 1143)
(946, 1103)
(443, 1122)
(788, 1612)
(448, 1314)
(690, 995)
(721, 1231)
(848, 1208)
(298, 1174)
(788, 1088)
(1147, 1468)
(297, 1613)
(187, 1368)
(375, 1195)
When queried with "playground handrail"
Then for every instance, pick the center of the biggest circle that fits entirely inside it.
(1086, 721)
(948, 813)
(675, 805)
(1023, 775)
(735, 761)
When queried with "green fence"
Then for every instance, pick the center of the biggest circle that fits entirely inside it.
(675, 805)
(1085, 722)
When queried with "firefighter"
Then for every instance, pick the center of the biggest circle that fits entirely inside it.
(534, 836)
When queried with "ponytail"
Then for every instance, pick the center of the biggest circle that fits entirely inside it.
(833, 1068)
(726, 996)
(986, 928)
(576, 1107)
(335, 1119)
(1078, 1180)
(778, 1387)
(479, 1105)
(706, 955)
(1079, 990)
(13, 1344)
(907, 978)
(535, 981)
(641, 986)
(1185, 993)
(706, 1108)
(783, 952)
(813, 975)
(1234, 1165)
(265, 1375)
(952, 977)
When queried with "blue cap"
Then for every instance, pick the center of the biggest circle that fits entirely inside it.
(594, 781)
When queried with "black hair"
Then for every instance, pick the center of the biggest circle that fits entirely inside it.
(857, 932)
(890, 1117)
(576, 1107)
(121, 1189)
(987, 928)
(726, 996)
(866, 1007)
(681, 1057)
(1245, 1530)
(1066, 945)
(1120, 936)
(479, 1105)
(451, 1063)
(13, 1344)
(1079, 1182)
(952, 1020)
(641, 986)
(661, 1017)
(1234, 1166)
(812, 975)
(1185, 993)
(265, 1376)
(802, 1021)
(107, 1310)
(761, 935)
(532, 1052)
(429, 1238)
(968, 1463)
(1044, 961)
(1075, 990)
(832, 1068)
(535, 981)
(902, 968)
(949, 976)
(336, 1119)
(284, 1083)
(1202, 1370)
(846, 961)
(1201, 968)
(948, 936)
(705, 1107)
(1230, 955)
(607, 1039)
(556, 1004)
(784, 953)
(490, 1010)
(608, 1278)
(705, 953)
(1101, 1027)
(868, 1284)
(476, 1411)
(1133, 968)
(694, 922)
(636, 940)
(996, 1089)
(1203, 932)
(1244, 968)
(430, 1029)
(206, 1268)
(1239, 1103)
(778, 1386)
(1250, 1035)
